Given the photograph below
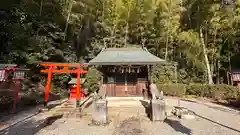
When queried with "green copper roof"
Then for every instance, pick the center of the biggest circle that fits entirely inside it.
(7, 65)
(74, 81)
(125, 56)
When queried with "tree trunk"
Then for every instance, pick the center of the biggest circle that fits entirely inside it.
(218, 75)
(209, 73)
(166, 51)
(169, 11)
(68, 17)
(127, 26)
(41, 7)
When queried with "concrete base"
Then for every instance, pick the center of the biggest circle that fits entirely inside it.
(100, 111)
(183, 113)
(188, 116)
(158, 110)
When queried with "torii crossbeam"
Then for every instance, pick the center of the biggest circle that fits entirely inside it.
(62, 68)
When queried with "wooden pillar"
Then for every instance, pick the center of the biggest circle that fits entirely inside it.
(16, 94)
(228, 78)
(126, 88)
(150, 74)
(48, 85)
(149, 81)
(78, 85)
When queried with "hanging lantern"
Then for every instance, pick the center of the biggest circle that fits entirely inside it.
(133, 70)
(114, 69)
(126, 69)
(137, 69)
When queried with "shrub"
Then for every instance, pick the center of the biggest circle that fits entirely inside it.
(92, 80)
(223, 91)
(195, 89)
(216, 91)
(172, 89)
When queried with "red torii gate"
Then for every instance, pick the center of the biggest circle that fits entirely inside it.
(62, 68)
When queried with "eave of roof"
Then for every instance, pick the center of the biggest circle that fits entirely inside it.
(7, 65)
(74, 81)
(125, 56)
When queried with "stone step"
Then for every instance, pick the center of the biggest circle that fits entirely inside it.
(69, 105)
(64, 111)
(74, 114)
(124, 98)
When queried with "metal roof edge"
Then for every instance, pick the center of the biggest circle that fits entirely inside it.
(128, 63)
(145, 49)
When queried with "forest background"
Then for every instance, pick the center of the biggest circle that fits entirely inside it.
(198, 38)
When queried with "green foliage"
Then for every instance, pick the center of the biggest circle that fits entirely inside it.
(220, 91)
(92, 80)
(172, 89)
(76, 30)
(165, 73)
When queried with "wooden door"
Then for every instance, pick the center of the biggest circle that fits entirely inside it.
(126, 85)
(131, 84)
(120, 86)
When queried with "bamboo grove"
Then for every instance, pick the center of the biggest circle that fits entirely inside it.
(201, 36)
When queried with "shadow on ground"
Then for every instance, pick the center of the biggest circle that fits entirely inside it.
(178, 127)
(148, 108)
(220, 124)
(235, 105)
(27, 112)
(29, 127)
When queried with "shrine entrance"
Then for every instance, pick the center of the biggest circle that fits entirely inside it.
(63, 68)
(126, 85)
(126, 71)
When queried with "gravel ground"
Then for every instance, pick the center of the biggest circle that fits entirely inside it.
(211, 119)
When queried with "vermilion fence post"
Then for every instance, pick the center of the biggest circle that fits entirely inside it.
(78, 84)
(48, 86)
(17, 87)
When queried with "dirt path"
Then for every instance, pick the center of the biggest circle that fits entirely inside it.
(130, 119)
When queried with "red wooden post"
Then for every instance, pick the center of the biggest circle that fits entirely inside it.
(238, 75)
(48, 85)
(16, 95)
(78, 83)
(51, 70)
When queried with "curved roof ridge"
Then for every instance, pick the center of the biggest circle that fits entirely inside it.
(121, 56)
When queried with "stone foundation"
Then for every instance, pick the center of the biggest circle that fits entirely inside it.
(100, 111)
(158, 110)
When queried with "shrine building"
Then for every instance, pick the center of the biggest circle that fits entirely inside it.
(126, 71)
